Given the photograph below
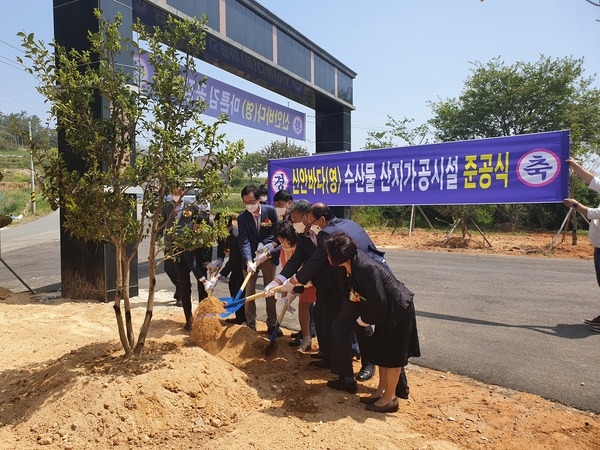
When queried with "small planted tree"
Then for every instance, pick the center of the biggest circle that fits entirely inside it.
(163, 110)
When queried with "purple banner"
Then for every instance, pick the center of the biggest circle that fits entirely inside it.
(240, 106)
(516, 169)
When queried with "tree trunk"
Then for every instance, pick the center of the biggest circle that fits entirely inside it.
(125, 263)
(150, 302)
(117, 306)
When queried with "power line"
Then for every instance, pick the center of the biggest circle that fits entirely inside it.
(10, 64)
(12, 46)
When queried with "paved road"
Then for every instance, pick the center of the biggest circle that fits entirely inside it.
(511, 321)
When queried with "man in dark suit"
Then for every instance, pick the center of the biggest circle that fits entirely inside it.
(176, 215)
(255, 226)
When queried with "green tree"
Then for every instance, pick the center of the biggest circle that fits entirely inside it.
(163, 110)
(500, 100)
(257, 162)
(398, 129)
(253, 164)
(282, 149)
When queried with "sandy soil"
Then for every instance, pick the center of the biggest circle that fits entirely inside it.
(64, 383)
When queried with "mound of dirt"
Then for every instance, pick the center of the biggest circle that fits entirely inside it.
(66, 385)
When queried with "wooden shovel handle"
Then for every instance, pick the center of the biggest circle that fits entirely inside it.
(253, 297)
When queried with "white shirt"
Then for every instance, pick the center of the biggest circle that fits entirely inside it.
(593, 215)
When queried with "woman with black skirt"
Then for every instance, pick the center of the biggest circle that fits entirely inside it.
(385, 302)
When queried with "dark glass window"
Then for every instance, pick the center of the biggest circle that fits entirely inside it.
(249, 29)
(292, 55)
(324, 75)
(197, 8)
(345, 87)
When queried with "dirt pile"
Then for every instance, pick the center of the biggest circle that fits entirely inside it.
(65, 385)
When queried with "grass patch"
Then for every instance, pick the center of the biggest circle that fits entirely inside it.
(14, 159)
(228, 202)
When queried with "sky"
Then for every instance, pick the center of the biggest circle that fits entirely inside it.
(406, 53)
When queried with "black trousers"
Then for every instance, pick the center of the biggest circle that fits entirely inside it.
(185, 264)
(171, 271)
(342, 333)
(325, 311)
(344, 326)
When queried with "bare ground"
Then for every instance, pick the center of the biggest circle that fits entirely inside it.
(64, 383)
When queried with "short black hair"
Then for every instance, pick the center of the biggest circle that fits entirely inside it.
(250, 189)
(283, 196)
(285, 229)
(340, 248)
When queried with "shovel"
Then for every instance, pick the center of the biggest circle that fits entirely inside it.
(273, 336)
(232, 304)
(243, 286)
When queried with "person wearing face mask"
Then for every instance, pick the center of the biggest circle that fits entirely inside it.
(168, 215)
(263, 195)
(282, 200)
(175, 216)
(328, 295)
(286, 234)
(255, 228)
(338, 317)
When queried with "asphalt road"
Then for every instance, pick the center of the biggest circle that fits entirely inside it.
(511, 321)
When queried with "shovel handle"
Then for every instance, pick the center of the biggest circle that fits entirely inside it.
(253, 297)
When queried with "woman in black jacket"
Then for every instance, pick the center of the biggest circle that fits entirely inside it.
(383, 301)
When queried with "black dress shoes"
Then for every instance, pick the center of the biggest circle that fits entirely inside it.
(319, 355)
(366, 372)
(321, 364)
(402, 392)
(390, 407)
(368, 400)
(341, 385)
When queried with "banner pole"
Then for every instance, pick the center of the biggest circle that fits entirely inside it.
(561, 227)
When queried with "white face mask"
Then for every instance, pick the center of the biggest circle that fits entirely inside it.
(263, 198)
(251, 208)
(176, 198)
(299, 227)
(280, 211)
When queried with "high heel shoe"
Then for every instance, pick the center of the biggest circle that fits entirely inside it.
(390, 407)
(368, 400)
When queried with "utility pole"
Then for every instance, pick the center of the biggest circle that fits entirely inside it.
(31, 170)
